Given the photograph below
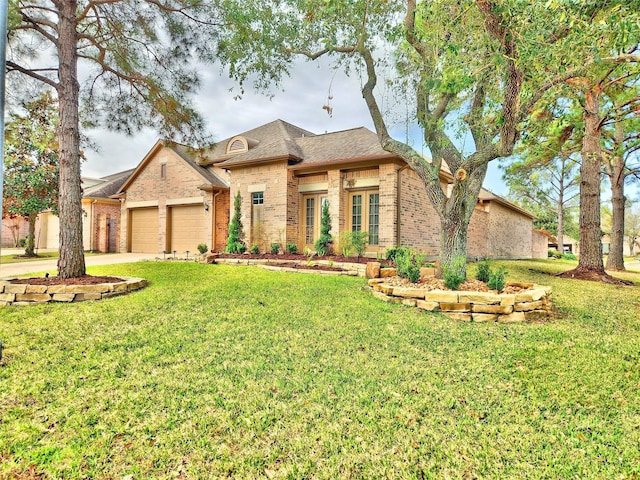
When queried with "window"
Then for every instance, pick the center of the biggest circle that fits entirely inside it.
(365, 214)
(163, 170)
(257, 198)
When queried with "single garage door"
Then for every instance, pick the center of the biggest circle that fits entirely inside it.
(187, 228)
(144, 230)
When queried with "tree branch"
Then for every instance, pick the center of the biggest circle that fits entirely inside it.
(14, 67)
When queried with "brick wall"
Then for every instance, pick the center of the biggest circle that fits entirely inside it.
(509, 233)
(102, 217)
(478, 234)
(276, 182)
(540, 244)
(419, 222)
(13, 229)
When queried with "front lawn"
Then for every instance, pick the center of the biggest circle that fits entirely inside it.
(217, 371)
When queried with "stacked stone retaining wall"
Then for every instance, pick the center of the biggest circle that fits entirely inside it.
(25, 294)
(531, 303)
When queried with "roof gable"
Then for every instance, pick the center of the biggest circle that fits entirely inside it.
(187, 154)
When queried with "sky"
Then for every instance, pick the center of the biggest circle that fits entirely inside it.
(298, 101)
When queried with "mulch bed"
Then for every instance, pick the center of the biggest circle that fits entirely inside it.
(304, 266)
(432, 283)
(296, 257)
(84, 280)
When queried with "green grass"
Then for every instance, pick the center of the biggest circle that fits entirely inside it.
(219, 371)
(13, 258)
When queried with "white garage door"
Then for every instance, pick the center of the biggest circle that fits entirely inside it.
(187, 228)
(144, 230)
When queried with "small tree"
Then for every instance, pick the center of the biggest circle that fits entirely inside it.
(323, 244)
(235, 242)
(31, 177)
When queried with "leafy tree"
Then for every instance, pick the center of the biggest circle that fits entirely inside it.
(235, 242)
(323, 244)
(545, 176)
(31, 169)
(138, 57)
(473, 67)
(596, 50)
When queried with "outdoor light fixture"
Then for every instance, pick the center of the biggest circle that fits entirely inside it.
(174, 254)
(187, 252)
(206, 206)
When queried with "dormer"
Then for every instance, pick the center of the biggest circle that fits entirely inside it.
(237, 144)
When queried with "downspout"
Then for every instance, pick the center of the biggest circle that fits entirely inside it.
(398, 199)
(213, 220)
(91, 226)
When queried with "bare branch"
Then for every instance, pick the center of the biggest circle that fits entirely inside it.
(14, 67)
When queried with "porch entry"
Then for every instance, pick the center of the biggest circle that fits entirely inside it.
(365, 214)
(312, 214)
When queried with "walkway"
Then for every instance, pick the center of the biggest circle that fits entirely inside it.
(51, 266)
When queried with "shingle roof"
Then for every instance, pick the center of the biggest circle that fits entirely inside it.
(340, 146)
(272, 140)
(279, 139)
(111, 185)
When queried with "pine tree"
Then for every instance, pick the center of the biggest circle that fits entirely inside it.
(235, 242)
(323, 244)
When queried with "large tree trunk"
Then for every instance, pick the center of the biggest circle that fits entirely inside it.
(590, 236)
(456, 215)
(71, 259)
(29, 250)
(615, 260)
(560, 235)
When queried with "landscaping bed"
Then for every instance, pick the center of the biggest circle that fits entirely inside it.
(31, 291)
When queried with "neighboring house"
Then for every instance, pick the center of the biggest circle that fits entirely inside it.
(100, 212)
(626, 248)
(570, 245)
(177, 198)
(14, 229)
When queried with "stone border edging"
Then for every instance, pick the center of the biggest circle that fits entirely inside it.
(350, 269)
(530, 304)
(25, 294)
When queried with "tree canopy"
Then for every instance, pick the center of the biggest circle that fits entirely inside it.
(31, 163)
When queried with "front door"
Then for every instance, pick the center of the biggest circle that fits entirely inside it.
(312, 215)
(365, 214)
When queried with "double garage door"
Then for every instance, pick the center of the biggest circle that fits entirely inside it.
(185, 226)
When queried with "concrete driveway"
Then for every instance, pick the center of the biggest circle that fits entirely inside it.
(51, 266)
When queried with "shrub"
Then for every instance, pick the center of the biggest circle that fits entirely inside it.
(235, 244)
(408, 264)
(346, 246)
(22, 242)
(484, 271)
(323, 244)
(496, 282)
(255, 249)
(202, 248)
(453, 274)
(569, 256)
(554, 254)
(391, 253)
(275, 248)
(359, 242)
(292, 248)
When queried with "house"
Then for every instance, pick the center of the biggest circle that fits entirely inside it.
(178, 197)
(14, 228)
(101, 216)
(171, 203)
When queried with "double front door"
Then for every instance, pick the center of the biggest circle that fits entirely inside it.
(363, 216)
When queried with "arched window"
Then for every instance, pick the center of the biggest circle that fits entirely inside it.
(237, 145)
